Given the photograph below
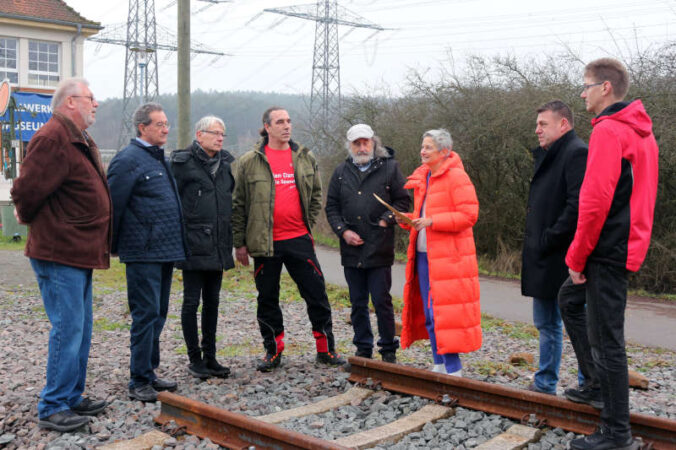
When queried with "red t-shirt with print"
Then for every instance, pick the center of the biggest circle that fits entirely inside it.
(287, 214)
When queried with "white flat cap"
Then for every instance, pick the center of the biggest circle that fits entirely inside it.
(359, 131)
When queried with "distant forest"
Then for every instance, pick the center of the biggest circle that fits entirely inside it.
(241, 112)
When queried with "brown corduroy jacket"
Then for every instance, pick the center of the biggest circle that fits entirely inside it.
(62, 194)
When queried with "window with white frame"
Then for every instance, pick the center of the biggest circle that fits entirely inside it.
(43, 63)
(8, 60)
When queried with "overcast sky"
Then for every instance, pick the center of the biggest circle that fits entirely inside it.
(271, 52)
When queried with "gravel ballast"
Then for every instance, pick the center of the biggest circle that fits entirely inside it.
(24, 331)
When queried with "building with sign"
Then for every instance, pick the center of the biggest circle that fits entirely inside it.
(41, 43)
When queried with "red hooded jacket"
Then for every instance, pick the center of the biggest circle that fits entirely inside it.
(617, 198)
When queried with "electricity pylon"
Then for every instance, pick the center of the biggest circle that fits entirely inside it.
(140, 69)
(325, 94)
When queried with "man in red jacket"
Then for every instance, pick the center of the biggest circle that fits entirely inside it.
(63, 195)
(617, 201)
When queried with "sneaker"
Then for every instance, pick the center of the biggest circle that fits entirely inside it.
(215, 369)
(164, 385)
(270, 362)
(389, 357)
(198, 369)
(457, 373)
(88, 407)
(63, 421)
(330, 359)
(438, 368)
(145, 393)
(585, 394)
(602, 441)
(533, 387)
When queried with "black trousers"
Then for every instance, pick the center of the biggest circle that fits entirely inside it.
(597, 334)
(299, 258)
(207, 285)
(375, 281)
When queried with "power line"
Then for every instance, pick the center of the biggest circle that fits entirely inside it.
(325, 92)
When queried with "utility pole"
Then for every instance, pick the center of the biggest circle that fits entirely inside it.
(183, 89)
(139, 36)
(325, 98)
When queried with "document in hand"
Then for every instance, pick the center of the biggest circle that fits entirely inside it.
(402, 217)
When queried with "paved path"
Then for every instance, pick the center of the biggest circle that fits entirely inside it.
(648, 322)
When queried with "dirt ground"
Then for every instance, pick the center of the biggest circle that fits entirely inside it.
(15, 269)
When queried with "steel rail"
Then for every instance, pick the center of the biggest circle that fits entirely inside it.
(505, 401)
(232, 430)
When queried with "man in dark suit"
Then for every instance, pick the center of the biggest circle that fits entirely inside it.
(551, 218)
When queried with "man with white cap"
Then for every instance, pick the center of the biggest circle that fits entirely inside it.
(366, 231)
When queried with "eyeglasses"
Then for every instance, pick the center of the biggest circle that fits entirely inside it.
(90, 97)
(166, 125)
(587, 86)
(215, 133)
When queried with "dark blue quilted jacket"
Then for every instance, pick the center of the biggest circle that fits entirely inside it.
(147, 219)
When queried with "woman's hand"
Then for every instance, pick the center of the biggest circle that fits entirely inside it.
(421, 223)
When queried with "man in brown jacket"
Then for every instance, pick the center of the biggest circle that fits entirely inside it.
(62, 194)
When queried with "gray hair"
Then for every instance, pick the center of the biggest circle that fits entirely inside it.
(142, 115)
(207, 121)
(66, 88)
(441, 137)
(379, 151)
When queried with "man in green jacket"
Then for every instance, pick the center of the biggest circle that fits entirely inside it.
(276, 201)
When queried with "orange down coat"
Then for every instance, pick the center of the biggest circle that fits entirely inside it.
(454, 275)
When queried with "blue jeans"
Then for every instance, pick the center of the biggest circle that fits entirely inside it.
(67, 296)
(377, 282)
(547, 319)
(450, 360)
(148, 287)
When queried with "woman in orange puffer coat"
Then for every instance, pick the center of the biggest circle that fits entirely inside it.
(441, 294)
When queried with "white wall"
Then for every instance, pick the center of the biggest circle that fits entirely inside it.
(59, 35)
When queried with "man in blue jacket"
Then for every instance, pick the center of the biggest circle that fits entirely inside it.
(148, 237)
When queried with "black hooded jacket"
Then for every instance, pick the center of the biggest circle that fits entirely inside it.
(350, 205)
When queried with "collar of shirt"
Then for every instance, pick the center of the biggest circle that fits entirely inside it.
(147, 144)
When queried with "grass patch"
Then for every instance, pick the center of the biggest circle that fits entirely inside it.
(516, 330)
(246, 348)
(653, 364)
(328, 240)
(493, 368)
(113, 278)
(8, 243)
(104, 324)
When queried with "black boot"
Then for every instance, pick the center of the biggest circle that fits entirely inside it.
(215, 369)
(198, 369)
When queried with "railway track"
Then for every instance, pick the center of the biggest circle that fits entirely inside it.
(444, 395)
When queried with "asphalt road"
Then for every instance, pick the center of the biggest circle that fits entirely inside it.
(649, 322)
